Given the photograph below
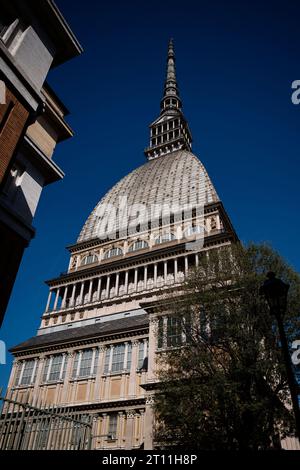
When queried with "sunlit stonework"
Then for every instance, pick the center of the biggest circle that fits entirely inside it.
(95, 351)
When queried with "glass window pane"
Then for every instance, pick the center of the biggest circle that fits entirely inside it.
(118, 358)
(106, 361)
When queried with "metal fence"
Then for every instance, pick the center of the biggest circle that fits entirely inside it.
(27, 425)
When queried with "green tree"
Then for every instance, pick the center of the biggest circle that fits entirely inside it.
(225, 387)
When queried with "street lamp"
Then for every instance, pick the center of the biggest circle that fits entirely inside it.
(276, 292)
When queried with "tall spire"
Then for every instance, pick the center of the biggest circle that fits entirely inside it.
(171, 88)
(170, 131)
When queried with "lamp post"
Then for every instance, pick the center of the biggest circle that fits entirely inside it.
(276, 292)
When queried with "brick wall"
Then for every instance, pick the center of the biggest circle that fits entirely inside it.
(13, 118)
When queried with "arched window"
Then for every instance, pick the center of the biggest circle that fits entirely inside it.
(89, 260)
(138, 245)
(194, 230)
(112, 253)
(166, 237)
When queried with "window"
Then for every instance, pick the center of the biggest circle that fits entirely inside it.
(194, 230)
(85, 363)
(113, 252)
(27, 376)
(143, 351)
(167, 237)
(89, 260)
(18, 373)
(174, 332)
(106, 361)
(112, 426)
(116, 356)
(138, 245)
(55, 368)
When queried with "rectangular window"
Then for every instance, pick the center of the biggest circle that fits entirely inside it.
(112, 426)
(46, 368)
(18, 372)
(142, 353)
(106, 361)
(118, 358)
(86, 363)
(174, 333)
(75, 365)
(27, 376)
(84, 360)
(55, 368)
(94, 371)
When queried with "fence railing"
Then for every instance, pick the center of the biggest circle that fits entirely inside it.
(29, 425)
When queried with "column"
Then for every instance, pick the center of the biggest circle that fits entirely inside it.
(104, 429)
(126, 282)
(66, 385)
(145, 276)
(90, 291)
(81, 294)
(56, 299)
(186, 265)
(49, 368)
(153, 325)
(135, 279)
(63, 305)
(155, 275)
(120, 429)
(133, 367)
(73, 295)
(197, 260)
(175, 269)
(91, 379)
(148, 426)
(62, 366)
(38, 378)
(100, 367)
(21, 373)
(79, 363)
(99, 288)
(49, 301)
(110, 357)
(117, 284)
(12, 377)
(142, 425)
(107, 287)
(125, 356)
(165, 272)
(129, 429)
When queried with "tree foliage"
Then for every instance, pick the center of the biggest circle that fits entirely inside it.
(226, 387)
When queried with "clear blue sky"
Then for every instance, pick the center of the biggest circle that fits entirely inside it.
(236, 61)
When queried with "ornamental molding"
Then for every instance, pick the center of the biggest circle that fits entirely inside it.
(150, 400)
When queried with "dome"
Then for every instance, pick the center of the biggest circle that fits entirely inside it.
(176, 180)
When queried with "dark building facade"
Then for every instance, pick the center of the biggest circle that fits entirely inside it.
(34, 38)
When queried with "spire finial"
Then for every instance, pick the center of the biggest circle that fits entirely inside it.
(170, 131)
(171, 88)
